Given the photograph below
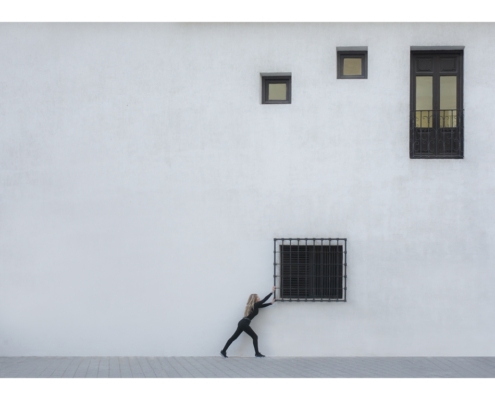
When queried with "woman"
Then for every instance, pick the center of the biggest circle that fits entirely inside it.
(253, 304)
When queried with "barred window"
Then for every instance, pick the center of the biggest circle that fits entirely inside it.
(310, 269)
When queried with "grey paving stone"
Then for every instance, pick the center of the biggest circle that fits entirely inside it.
(247, 367)
(216, 365)
(180, 370)
(167, 368)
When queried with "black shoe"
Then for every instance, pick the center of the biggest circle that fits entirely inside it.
(259, 355)
(224, 354)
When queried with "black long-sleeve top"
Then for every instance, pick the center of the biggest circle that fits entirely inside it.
(257, 306)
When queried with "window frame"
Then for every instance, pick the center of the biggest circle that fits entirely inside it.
(360, 52)
(311, 276)
(280, 77)
(433, 137)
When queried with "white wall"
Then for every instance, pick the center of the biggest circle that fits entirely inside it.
(142, 184)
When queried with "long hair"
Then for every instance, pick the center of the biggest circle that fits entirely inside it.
(250, 304)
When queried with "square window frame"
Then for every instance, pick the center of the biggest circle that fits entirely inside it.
(280, 276)
(352, 52)
(282, 77)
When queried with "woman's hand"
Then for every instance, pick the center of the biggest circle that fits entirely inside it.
(273, 300)
(273, 290)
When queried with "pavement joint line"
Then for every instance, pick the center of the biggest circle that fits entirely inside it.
(216, 371)
(137, 371)
(156, 367)
(142, 369)
(147, 359)
(170, 367)
(117, 359)
(125, 366)
(389, 369)
(30, 371)
(206, 367)
(164, 369)
(175, 367)
(294, 370)
(397, 369)
(233, 367)
(275, 367)
(475, 367)
(184, 360)
(223, 371)
(180, 369)
(239, 368)
(452, 366)
(87, 368)
(242, 369)
(43, 370)
(73, 359)
(311, 367)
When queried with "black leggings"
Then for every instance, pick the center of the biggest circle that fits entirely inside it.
(243, 326)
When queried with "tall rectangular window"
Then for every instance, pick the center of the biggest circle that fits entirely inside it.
(436, 123)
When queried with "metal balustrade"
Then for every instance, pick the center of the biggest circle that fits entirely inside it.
(437, 134)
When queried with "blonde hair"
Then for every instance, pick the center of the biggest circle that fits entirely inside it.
(250, 304)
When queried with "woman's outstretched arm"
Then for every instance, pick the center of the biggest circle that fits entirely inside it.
(260, 303)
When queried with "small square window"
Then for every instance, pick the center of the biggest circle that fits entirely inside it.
(352, 63)
(276, 88)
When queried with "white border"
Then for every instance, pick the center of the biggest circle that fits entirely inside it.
(244, 11)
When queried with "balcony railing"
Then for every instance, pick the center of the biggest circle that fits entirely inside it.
(437, 134)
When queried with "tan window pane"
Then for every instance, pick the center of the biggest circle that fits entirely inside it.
(448, 101)
(424, 93)
(353, 66)
(277, 91)
(448, 92)
(424, 101)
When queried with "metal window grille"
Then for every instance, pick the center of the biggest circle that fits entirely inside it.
(437, 134)
(310, 269)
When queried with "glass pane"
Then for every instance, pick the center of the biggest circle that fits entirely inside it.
(448, 92)
(352, 66)
(448, 118)
(277, 91)
(448, 101)
(424, 101)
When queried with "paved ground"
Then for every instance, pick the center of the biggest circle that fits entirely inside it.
(249, 367)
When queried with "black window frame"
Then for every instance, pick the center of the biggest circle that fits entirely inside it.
(310, 270)
(360, 52)
(282, 77)
(436, 141)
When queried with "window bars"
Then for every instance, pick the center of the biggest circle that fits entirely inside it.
(437, 134)
(310, 269)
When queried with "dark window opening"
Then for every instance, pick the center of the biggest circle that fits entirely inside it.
(310, 269)
(436, 118)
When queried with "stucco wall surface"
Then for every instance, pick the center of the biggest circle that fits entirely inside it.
(142, 183)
